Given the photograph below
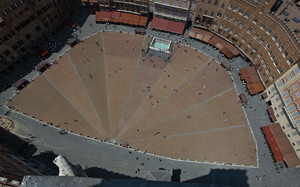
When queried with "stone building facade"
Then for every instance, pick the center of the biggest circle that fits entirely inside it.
(24, 25)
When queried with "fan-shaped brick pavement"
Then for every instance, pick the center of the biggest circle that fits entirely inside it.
(108, 87)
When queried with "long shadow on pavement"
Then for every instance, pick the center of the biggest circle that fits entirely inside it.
(96, 172)
(230, 177)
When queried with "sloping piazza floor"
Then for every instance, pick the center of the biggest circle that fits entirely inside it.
(108, 88)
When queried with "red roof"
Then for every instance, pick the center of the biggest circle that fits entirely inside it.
(273, 144)
(115, 14)
(121, 17)
(167, 25)
(105, 15)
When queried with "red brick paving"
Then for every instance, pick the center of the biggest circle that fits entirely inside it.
(41, 99)
(148, 72)
(89, 62)
(173, 77)
(65, 79)
(121, 61)
(216, 136)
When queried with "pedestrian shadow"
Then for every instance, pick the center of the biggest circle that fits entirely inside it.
(230, 177)
(96, 172)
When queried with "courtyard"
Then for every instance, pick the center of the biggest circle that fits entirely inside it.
(108, 88)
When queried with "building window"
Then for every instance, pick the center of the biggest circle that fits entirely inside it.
(38, 28)
(296, 70)
(229, 6)
(20, 42)
(295, 87)
(16, 5)
(281, 48)
(21, 2)
(182, 15)
(241, 11)
(262, 10)
(167, 1)
(278, 43)
(289, 76)
(287, 92)
(262, 26)
(11, 33)
(249, 30)
(175, 2)
(242, 24)
(28, 36)
(267, 1)
(281, 82)
(158, 9)
(274, 37)
(290, 61)
(216, 2)
(285, 53)
(298, 94)
(4, 12)
(184, 4)
(255, 20)
(267, 46)
(4, 38)
(7, 52)
(166, 11)
(269, 31)
(295, 114)
(10, 8)
(289, 100)
(270, 52)
(235, 8)
(247, 15)
(261, 40)
(194, 5)
(15, 47)
(280, 70)
(272, 57)
(259, 55)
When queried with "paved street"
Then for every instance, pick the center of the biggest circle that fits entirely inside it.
(99, 155)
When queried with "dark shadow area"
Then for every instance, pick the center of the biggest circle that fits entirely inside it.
(24, 149)
(53, 41)
(11, 142)
(44, 161)
(176, 175)
(96, 172)
(230, 177)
